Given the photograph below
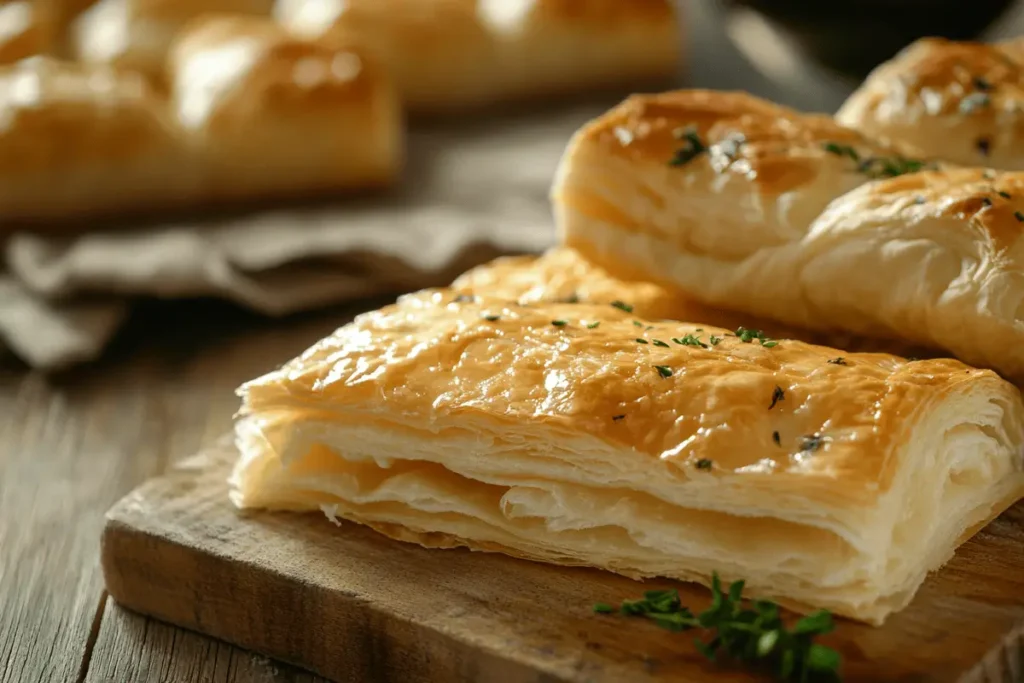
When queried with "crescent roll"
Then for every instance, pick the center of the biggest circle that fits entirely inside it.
(82, 140)
(137, 34)
(450, 54)
(959, 101)
(567, 434)
(272, 115)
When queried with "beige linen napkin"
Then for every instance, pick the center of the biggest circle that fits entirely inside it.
(470, 192)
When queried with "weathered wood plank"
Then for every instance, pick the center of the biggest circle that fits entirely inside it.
(72, 445)
(355, 606)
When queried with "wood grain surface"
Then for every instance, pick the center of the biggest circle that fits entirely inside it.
(71, 446)
(355, 606)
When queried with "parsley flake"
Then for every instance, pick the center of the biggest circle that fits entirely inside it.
(704, 464)
(618, 417)
(663, 370)
(492, 318)
(689, 340)
(837, 361)
(747, 336)
(841, 150)
(984, 145)
(777, 395)
(658, 342)
(777, 438)
(637, 323)
(715, 341)
(559, 323)
(811, 443)
(622, 306)
(982, 84)
(692, 146)
(641, 340)
(1019, 216)
(593, 325)
(463, 299)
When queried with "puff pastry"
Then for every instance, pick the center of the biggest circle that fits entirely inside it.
(81, 140)
(946, 99)
(27, 27)
(272, 115)
(136, 34)
(450, 54)
(564, 433)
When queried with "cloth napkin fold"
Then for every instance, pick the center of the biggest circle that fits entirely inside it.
(470, 193)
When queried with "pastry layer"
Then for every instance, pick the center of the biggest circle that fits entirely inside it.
(646, 448)
(948, 100)
(27, 28)
(450, 54)
(929, 257)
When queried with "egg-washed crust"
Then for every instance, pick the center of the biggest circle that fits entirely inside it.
(27, 28)
(438, 357)
(959, 101)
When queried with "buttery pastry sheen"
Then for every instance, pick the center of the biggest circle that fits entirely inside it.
(931, 257)
(27, 27)
(450, 54)
(951, 100)
(137, 34)
(569, 434)
(272, 115)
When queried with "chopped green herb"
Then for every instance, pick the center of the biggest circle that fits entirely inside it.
(463, 299)
(837, 361)
(841, 150)
(622, 306)
(769, 344)
(618, 417)
(663, 370)
(754, 635)
(715, 341)
(603, 608)
(641, 340)
(492, 318)
(572, 299)
(982, 84)
(559, 323)
(692, 146)
(1019, 216)
(983, 145)
(974, 102)
(985, 201)
(889, 167)
(777, 438)
(593, 325)
(704, 464)
(689, 340)
(637, 323)
(1004, 195)
(777, 395)
(658, 342)
(747, 336)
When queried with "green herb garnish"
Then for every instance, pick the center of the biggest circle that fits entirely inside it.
(715, 341)
(1019, 216)
(637, 323)
(618, 417)
(984, 145)
(889, 167)
(492, 318)
(754, 635)
(593, 325)
(1004, 195)
(692, 147)
(777, 395)
(974, 101)
(689, 340)
(982, 84)
(658, 342)
(747, 336)
(811, 443)
(559, 323)
(841, 150)
(663, 370)
(777, 438)
(704, 464)
(463, 299)
(837, 361)
(641, 340)
(622, 306)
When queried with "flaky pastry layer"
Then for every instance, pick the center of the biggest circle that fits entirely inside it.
(945, 99)
(929, 257)
(581, 434)
(450, 54)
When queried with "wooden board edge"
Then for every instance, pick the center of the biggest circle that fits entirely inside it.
(375, 645)
(1002, 664)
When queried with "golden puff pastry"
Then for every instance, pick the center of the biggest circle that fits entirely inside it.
(566, 434)
(83, 140)
(27, 28)
(137, 34)
(450, 54)
(273, 115)
(717, 175)
(563, 275)
(945, 99)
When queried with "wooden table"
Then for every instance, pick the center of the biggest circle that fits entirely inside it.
(71, 446)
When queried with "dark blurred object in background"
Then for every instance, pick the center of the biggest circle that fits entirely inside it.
(853, 36)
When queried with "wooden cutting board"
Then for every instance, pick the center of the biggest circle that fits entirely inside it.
(354, 606)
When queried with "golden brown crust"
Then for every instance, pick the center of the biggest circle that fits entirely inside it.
(959, 101)
(27, 28)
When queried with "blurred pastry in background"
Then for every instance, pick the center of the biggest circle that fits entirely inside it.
(944, 99)
(270, 115)
(83, 140)
(136, 34)
(27, 27)
(451, 54)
